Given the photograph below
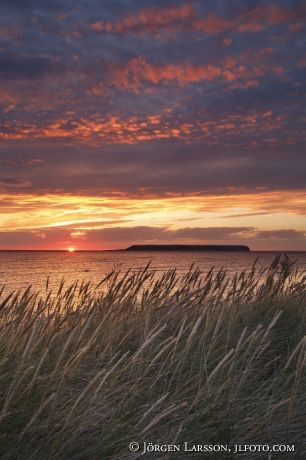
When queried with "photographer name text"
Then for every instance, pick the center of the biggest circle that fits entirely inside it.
(149, 447)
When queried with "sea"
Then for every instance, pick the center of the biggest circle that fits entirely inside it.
(21, 269)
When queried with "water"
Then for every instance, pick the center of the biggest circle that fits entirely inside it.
(19, 269)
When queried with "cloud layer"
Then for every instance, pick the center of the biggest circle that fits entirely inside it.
(122, 237)
(154, 100)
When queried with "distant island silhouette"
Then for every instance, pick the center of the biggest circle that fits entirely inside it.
(186, 247)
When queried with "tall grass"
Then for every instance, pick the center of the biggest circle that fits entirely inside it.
(201, 359)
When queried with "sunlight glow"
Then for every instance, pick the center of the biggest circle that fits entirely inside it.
(79, 222)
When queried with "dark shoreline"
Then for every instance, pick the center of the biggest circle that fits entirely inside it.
(186, 247)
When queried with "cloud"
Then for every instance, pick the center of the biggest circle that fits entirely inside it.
(13, 66)
(149, 19)
(186, 17)
(280, 234)
(174, 169)
(13, 182)
(124, 235)
(249, 214)
(137, 71)
(121, 237)
(146, 233)
(9, 32)
(35, 239)
(30, 5)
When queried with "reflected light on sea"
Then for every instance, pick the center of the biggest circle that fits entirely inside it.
(19, 269)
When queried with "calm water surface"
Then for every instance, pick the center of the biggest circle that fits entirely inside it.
(19, 269)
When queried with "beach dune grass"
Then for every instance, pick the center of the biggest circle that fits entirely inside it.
(202, 359)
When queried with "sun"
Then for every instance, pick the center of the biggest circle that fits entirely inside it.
(71, 249)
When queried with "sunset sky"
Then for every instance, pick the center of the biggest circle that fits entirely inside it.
(139, 121)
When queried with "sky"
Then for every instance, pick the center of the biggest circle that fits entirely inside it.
(148, 122)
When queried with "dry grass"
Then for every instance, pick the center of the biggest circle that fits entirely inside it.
(205, 360)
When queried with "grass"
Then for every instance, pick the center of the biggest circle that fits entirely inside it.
(197, 359)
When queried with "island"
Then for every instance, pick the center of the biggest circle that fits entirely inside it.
(186, 247)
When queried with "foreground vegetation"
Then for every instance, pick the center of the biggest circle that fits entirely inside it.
(197, 359)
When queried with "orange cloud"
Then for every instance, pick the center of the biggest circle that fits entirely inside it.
(227, 41)
(97, 129)
(302, 63)
(249, 27)
(152, 20)
(295, 27)
(262, 16)
(211, 24)
(9, 32)
(137, 72)
(277, 15)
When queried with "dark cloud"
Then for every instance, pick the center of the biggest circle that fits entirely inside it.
(12, 182)
(34, 240)
(121, 237)
(18, 67)
(145, 233)
(133, 170)
(280, 234)
(30, 5)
